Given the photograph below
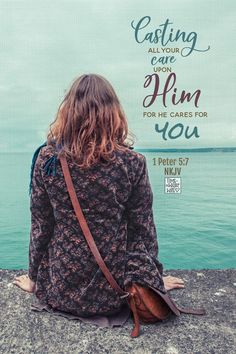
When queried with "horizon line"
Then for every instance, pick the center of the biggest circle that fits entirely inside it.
(187, 149)
(151, 149)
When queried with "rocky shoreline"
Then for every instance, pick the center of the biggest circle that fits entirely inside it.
(26, 331)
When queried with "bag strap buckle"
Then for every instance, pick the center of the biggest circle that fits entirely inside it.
(125, 295)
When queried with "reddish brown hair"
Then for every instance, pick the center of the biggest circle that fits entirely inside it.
(90, 122)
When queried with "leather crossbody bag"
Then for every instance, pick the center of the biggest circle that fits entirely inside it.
(148, 304)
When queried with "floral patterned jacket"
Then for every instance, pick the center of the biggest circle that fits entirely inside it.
(117, 203)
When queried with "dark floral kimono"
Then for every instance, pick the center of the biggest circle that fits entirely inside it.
(116, 199)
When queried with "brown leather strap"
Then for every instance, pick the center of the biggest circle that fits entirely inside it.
(176, 308)
(136, 329)
(89, 238)
(84, 226)
(200, 311)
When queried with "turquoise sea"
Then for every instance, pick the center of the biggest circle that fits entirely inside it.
(196, 229)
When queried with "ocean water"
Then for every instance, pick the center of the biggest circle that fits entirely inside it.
(196, 229)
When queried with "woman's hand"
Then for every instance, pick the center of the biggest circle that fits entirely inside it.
(25, 283)
(172, 282)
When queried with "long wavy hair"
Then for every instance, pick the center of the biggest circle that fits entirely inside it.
(90, 122)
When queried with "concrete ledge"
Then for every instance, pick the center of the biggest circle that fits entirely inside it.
(25, 331)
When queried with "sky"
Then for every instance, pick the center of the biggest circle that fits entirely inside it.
(45, 45)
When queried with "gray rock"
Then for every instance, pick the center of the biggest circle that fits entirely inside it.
(25, 331)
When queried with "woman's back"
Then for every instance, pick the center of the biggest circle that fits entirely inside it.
(116, 199)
